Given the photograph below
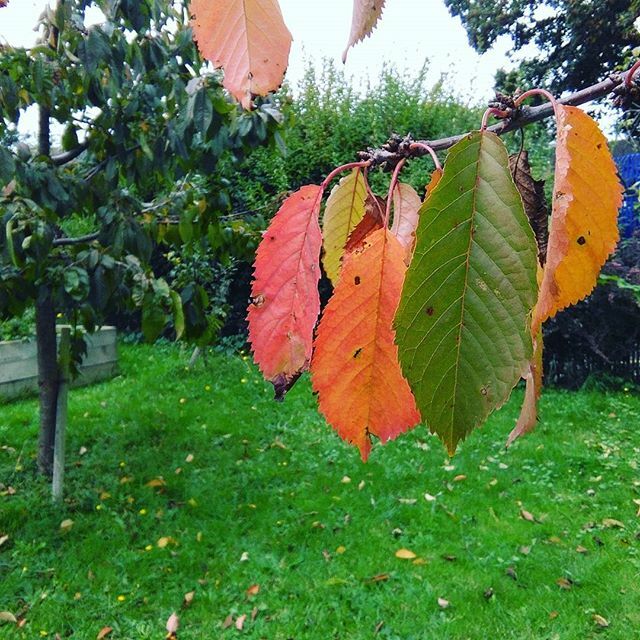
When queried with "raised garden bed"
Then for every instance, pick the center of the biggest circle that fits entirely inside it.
(19, 365)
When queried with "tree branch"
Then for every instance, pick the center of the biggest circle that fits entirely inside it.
(68, 156)
(67, 242)
(397, 148)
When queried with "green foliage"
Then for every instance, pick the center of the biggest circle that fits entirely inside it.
(148, 134)
(579, 40)
(252, 488)
(18, 327)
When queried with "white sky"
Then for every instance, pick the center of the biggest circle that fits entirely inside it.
(410, 32)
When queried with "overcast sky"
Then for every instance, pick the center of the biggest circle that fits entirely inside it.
(409, 32)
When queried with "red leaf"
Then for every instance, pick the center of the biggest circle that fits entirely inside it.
(366, 14)
(285, 301)
(355, 368)
(248, 38)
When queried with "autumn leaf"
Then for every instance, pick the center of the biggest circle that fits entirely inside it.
(587, 195)
(405, 554)
(248, 39)
(103, 633)
(240, 622)
(600, 620)
(528, 417)
(406, 205)
(285, 302)
(355, 369)
(7, 616)
(443, 603)
(373, 219)
(533, 199)
(253, 590)
(345, 208)
(173, 623)
(366, 14)
(463, 321)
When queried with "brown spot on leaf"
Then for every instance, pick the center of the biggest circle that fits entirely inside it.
(429, 311)
(356, 280)
(357, 352)
(582, 240)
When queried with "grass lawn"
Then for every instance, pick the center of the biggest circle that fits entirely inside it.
(196, 482)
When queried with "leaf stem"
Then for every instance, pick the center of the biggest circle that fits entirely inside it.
(538, 92)
(492, 111)
(421, 145)
(344, 167)
(392, 186)
(629, 77)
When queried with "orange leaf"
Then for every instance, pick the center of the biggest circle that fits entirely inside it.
(285, 301)
(355, 368)
(406, 205)
(248, 38)
(366, 14)
(584, 221)
(253, 590)
(528, 417)
(240, 622)
(373, 219)
(103, 633)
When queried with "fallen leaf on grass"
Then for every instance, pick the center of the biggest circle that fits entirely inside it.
(341, 549)
(173, 623)
(240, 622)
(527, 515)
(165, 541)
(581, 549)
(525, 551)
(381, 577)
(407, 500)
(103, 633)
(460, 478)
(189, 458)
(511, 572)
(600, 621)
(188, 599)
(443, 604)
(553, 615)
(228, 621)
(7, 616)
(3, 539)
(66, 525)
(253, 590)
(429, 498)
(612, 523)
(244, 557)
(564, 583)
(156, 482)
(405, 554)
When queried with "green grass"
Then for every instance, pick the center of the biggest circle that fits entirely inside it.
(273, 498)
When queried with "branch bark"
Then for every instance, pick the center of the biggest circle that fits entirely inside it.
(68, 156)
(398, 148)
(66, 242)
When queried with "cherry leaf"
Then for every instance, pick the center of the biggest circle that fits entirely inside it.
(366, 14)
(285, 302)
(355, 370)
(248, 39)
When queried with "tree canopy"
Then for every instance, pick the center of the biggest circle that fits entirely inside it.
(579, 41)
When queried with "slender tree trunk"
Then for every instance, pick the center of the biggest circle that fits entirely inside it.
(46, 341)
(48, 378)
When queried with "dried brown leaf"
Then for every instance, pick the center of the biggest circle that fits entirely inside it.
(173, 623)
(104, 632)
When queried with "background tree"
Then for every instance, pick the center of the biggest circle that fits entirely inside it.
(142, 117)
(579, 41)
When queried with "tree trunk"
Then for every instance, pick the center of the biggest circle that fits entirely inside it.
(47, 378)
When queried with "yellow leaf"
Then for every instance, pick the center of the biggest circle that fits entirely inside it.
(587, 195)
(344, 209)
(156, 482)
(188, 599)
(405, 554)
(66, 526)
(7, 616)
(612, 523)
(600, 621)
(340, 550)
(165, 541)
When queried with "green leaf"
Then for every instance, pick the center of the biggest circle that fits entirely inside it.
(463, 322)
(178, 314)
(153, 317)
(7, 166)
